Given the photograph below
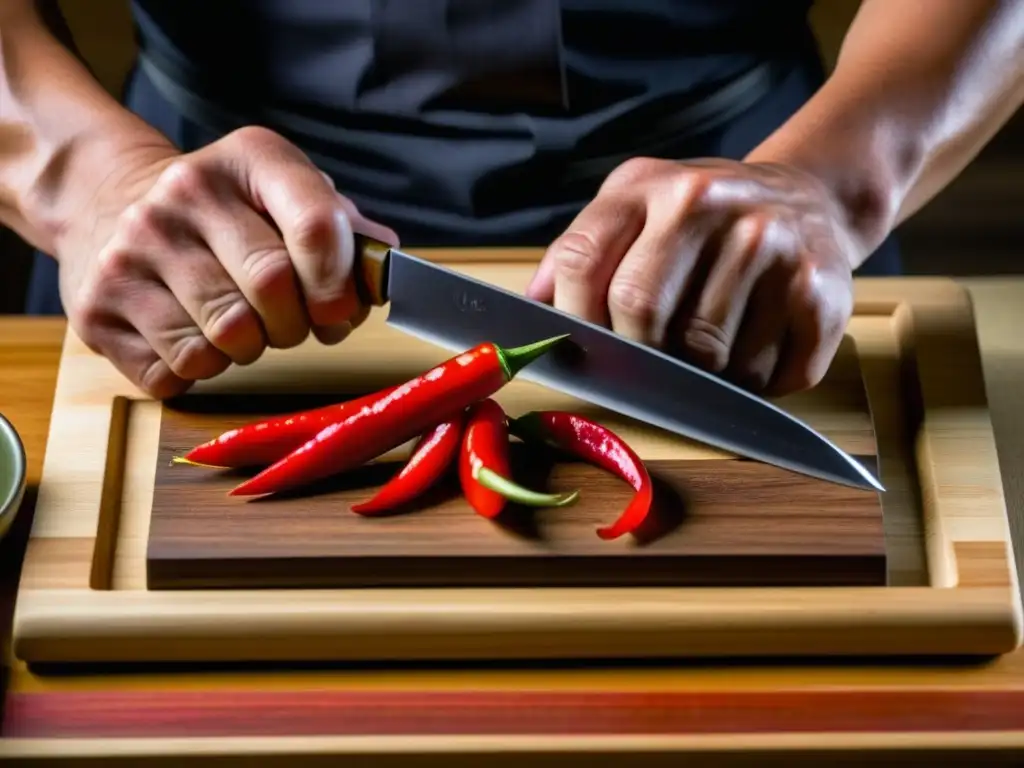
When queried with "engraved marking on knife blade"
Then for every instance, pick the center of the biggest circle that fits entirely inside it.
(466, 302)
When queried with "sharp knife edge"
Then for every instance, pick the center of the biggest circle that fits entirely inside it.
(426, 297)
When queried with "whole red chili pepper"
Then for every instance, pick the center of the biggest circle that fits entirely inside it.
(391, 419)
(431, 456)
(261, 443)
(484, 465)
(598, 445)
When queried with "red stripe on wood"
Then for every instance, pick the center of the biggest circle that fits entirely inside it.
(307, 713)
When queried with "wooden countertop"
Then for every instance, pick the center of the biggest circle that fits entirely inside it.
(880, 706)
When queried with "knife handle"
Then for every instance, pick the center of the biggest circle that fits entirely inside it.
(370, 270)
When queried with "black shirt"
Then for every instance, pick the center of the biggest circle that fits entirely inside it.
(476, 121)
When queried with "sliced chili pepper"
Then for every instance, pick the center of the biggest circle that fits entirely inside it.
(432, 455)
(484, 465)
(598, 445)
(391, 419)
(261, 443)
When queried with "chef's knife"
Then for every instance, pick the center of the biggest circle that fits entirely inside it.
(596, 365)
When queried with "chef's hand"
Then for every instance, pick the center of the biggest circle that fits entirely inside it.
(744, 269)
(185, 263)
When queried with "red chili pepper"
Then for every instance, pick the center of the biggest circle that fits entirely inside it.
(484, 465)
(408, 410)
(432, 455)
(261, 443)
(598, 445)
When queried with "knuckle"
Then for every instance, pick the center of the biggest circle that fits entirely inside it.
(746, 239)
(630, 298)
(268, 269)
(708, 342)
(140, 223)
(577, 256)
(633, 170)
(88, 306)
(687, 187)
(88, 320)
(252, 137)
(221, 315)
(159, 381)
(113, 263)
(693, 190)
(193, 357)
(184, 180)
(816, 295)
(314, 231)
(89, 316)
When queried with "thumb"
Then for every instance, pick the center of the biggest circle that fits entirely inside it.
(542, 285)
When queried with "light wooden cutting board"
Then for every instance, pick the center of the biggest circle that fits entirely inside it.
(131, 559)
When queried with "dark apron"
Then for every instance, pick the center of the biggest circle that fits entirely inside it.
(395, 176)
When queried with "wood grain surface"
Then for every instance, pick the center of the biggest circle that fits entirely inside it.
(716, 522)
(910, 711)
(29, 353)
(726, 713)
(84, 595)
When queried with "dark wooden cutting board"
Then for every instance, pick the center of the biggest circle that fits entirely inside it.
(719, 520)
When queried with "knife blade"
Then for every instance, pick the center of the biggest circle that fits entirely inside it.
(455, 311)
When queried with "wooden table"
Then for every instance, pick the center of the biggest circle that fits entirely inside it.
(908, 709)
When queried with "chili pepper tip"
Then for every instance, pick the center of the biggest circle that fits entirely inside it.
(491, 480)
(189, 462)
(514, 359)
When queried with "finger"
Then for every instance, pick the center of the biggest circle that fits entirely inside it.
(584, 258)
(169, 330)
(542, 284)
(335, 334)
(369, 227)
(749, 246)
(211, 205)
(360, 223)
(661, 268)
(762, 333)
(316, 224)
(213, 300)
(819, 307)
(136, 359)
(256, 260)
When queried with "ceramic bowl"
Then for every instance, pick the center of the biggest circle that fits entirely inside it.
(12, 474)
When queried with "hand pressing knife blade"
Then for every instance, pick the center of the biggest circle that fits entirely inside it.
(596, 365)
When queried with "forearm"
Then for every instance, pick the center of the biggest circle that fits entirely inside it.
(61, 134)
(919, 88)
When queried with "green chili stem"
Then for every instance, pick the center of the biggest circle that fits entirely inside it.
(491, 480)
(529, 427)
(513, 360)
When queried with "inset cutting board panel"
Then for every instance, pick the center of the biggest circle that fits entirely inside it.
(719, 520)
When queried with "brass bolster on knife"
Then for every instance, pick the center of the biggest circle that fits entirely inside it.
(371, 270)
